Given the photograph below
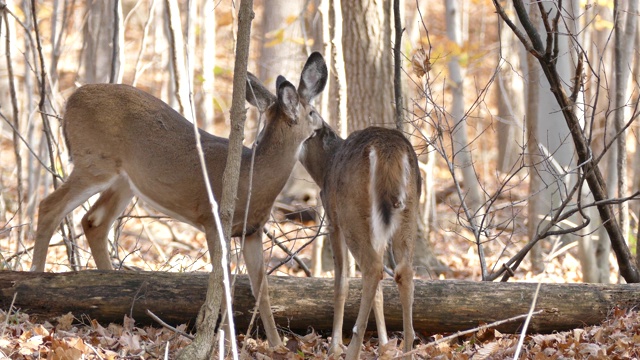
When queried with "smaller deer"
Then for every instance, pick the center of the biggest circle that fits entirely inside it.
(370, 188)
(125, 142)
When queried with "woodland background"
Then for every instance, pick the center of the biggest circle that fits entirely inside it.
(500, 164)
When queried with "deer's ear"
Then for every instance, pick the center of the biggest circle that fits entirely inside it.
(313, 78)
(288, 99)
(257, 95)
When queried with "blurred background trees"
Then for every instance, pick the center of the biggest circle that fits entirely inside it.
(502, 176)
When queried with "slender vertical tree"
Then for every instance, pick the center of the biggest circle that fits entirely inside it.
(202, 346)
(281, 49)
(462, 158)
(625, 22)
(509, 95)
(207, 25)
(178, 59)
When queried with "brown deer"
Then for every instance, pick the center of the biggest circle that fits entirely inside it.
(125, 142)
(370, 188)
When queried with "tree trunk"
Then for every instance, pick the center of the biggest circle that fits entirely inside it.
(334, 111)
(533, 154)
(397, 64)
(600, 43)
(117, 44)
(368, 63)
(203, 343)
(208, 40)
(425, 261)
(473, 199)
(509, 95)
(178, 59)
(98, 35)
(624, 36)
(281, 52)
(439, 306)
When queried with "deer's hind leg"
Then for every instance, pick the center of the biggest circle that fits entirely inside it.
(98, 220)
(78, 188)
(371, 266)
(403, 245)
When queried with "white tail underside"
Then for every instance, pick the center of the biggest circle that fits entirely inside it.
(382, 233)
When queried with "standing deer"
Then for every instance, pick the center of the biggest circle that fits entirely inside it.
(125, 142)
(370, 188)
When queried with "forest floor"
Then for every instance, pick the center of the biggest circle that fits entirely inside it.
(616, 338)
(148, 242)
(70, 338)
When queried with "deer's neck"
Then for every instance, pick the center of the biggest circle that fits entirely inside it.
(276, 154)
(318, 152)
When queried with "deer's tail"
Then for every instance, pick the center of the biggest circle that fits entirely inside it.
(390, 173)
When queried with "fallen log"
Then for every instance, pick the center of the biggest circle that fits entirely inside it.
(302, 303)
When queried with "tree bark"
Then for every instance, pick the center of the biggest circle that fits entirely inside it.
(178, 59)
(98, 33)
(208, 40)
(624, 35)
(397, 65)
(203, 344)
(367, 53)
(533, 157)
(440, 306)
(461, 152)
(510, 98)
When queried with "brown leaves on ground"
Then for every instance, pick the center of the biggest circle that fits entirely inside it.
(22, 339)
(616, 338)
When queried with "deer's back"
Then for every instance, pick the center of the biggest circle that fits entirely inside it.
(118, 129)
(350, 165)
(347, 188)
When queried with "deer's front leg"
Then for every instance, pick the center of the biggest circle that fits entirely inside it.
(341, 288)
(253, 257)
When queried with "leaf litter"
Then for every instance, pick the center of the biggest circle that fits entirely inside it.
(618, 337)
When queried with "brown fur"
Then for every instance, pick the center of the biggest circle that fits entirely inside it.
(125, 142)
(342, 168)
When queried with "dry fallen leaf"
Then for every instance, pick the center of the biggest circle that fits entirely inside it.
(65, 321)
(485, 351)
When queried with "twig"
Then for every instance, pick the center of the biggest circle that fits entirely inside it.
(95, 351)
(6, 320)
(135, 297)
(165, 325)
(526, 322)
(42, 87)
(33, 153)
(476, 329)
(291, 255)
(300, 249)
(145, 32)
(16, 121)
